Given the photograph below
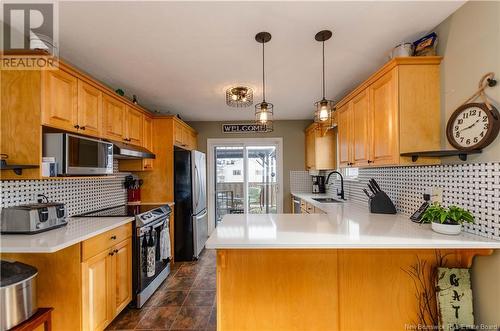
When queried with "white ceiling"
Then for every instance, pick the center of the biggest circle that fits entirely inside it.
(179, 57)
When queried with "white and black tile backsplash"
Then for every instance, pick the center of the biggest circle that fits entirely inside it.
(474, 186)
(79, 195)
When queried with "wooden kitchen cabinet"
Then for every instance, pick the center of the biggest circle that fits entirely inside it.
(184, 136)
(396, 110)
(89, 109)
(60, 100)
(320, 148)
(115, 116)
(97, 289)
(147, 143)
(121, 273)
(135, 128)
(106, 277)
(344, 135)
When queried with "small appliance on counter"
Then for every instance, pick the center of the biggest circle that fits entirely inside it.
(318, 184)
(133, 186)
(17, 293)
(33, 218)
(379, 202)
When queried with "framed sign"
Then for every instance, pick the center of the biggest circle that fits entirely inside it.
(245, 128)
(454, 298)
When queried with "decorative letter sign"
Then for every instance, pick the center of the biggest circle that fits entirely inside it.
(245, 128)
(454, 298)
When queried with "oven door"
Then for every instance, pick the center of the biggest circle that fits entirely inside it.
(86, 156)
(142, 248)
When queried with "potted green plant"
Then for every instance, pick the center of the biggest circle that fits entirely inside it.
(447, 220)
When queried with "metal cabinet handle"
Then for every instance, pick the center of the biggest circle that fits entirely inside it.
(76, 126)
(111, 253)
(82, 127)
(370, 161)
(115, 251)
(113, 237)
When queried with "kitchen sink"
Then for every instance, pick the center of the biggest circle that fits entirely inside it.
(327, 200)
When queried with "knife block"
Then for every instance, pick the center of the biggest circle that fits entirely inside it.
(380, 203)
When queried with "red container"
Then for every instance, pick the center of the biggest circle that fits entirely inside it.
(134, 194)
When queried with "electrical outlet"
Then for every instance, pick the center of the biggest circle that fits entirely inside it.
(436, 194)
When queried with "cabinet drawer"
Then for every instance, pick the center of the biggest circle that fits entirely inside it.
(302, 204)
(309, 208)
(97, 244)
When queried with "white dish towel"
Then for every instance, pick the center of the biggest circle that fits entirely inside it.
(164, 244)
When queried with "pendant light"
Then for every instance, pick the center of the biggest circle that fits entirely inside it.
(324, 107)
(264, 110)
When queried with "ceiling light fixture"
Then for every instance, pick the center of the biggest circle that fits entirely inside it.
(239, 96)
(324, 107)
(264, 110)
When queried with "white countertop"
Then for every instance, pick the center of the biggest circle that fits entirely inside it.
(77, 230)
(346, 225)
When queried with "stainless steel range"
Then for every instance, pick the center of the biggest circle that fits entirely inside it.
(151, 246)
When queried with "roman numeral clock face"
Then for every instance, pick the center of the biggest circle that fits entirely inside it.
(472, 126)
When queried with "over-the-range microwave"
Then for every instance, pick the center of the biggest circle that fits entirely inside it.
(77, 155)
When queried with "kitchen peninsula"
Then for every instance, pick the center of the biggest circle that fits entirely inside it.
(342, 270)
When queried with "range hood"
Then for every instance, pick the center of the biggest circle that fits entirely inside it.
(124, 151)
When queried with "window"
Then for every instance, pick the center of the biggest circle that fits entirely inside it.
(237, 172)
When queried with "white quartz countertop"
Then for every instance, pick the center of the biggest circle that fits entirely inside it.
(346, 225)
(77, 230)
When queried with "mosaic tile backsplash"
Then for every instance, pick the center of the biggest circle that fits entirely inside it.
(79, 195)
(474, 186)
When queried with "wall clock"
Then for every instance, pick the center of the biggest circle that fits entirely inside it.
(473, 126)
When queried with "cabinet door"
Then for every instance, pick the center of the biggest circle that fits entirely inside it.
(344, 135)
(178, 133)
(148, 141)
(310, 149)
(384, 115)
(60, 100)
(325, 149)
(114, 114)
(193, 140)
(96, 289)
(135, 127)
(89, 109)
(121, 282)
(361, 130)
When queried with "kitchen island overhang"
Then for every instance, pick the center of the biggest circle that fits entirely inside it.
(342, 271)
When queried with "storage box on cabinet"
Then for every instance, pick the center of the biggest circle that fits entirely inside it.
(396, 110)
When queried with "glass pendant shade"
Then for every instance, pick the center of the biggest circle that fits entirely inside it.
(323, 112)
(264, 114)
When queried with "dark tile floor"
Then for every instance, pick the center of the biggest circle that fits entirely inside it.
(185, 300)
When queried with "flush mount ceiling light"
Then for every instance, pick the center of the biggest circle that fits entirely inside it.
(264, 110)
(324, 107)
(239, 96)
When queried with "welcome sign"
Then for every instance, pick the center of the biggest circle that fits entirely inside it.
(245, 128)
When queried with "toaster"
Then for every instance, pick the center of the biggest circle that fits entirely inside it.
(33, 218)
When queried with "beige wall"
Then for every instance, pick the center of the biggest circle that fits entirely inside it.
(292, 133)
(469, 40)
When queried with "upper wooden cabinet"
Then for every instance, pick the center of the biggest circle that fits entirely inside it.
(60, 100)
(184, 136)
(321, 148)
(89, 109)
(115, 117)
(396, 110)
(135, 125)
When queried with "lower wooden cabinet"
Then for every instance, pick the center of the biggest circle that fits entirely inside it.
(106, 281)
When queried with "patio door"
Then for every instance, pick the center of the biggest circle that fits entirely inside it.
(244, 177)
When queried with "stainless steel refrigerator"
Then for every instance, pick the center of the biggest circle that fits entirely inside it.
(190, 209)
